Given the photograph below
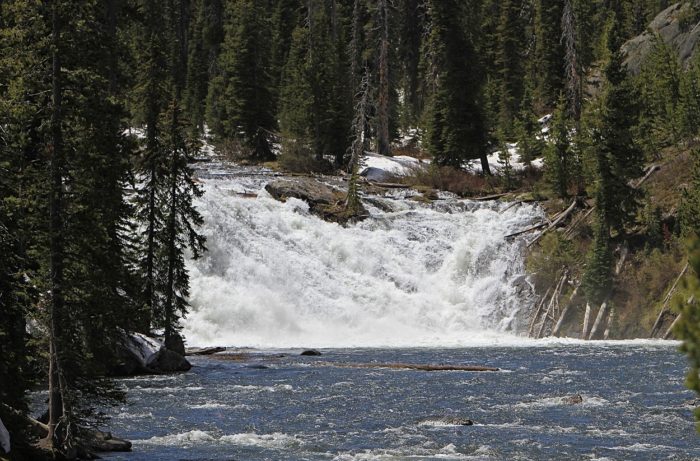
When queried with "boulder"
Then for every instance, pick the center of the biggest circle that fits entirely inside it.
(170, 362)
(311, 352)
(175, 343)
(309, 190)
(324, 201)
(682, 38)
(575, 399)
(141, 354)
(104, 442)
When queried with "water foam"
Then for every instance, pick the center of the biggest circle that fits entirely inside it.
(419, 275)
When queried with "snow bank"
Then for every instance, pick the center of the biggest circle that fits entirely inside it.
(380, 168)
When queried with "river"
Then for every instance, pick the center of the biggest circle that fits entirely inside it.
(415, 283)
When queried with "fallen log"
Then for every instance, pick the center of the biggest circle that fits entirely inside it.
(598, 319)
(554, 223)
(204, 350)
(514, 204)
(664, 307)
(525, 231)
(560, 322)
(608, 328)
(570, 230)
(650, 170)
(586, 320)
(669, 332)
(490, 197)
(389, 185)
(533, 321)
(413, 366)
(552, 302)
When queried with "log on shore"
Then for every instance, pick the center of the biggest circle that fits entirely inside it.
(486, 198)
(204, 350)
(414, 366)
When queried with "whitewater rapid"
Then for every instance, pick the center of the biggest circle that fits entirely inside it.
(412, 275)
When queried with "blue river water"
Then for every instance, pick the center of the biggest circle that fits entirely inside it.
(277, 405)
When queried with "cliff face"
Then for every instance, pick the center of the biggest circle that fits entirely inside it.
(677, 26)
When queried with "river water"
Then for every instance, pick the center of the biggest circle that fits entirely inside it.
(276, 405)
(415, 283)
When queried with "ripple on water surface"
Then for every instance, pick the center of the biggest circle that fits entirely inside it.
(625, 403)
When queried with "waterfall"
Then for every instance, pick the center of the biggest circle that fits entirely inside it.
(412, 275)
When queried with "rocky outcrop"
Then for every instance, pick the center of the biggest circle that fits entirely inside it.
(670, 26)
(324, 201)
(141, 354)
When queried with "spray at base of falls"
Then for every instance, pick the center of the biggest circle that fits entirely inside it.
(415, 276)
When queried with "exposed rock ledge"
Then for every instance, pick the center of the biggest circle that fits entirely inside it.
(668, 25)
(141, 354)
(324, 201)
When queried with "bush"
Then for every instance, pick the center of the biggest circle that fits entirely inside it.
(450, 179)
(298, 157)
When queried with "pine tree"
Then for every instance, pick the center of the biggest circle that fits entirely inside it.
(558, 155)
(411, 20)
(181, 220)
(315, 98)
(455, 122)
(549, 53)
(509, 62)
(383, 143)
(241, 104)
(688, 326)
(597, 279)
(618, 158)
(528, 131)
(166, 213)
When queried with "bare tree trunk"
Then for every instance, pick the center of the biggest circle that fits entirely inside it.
(573, 74)
(383, 144)
(56, 433)
(485, 167)
(352, 202)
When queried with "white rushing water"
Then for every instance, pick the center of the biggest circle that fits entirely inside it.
(417, 275)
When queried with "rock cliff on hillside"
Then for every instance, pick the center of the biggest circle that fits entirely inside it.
(673, 27)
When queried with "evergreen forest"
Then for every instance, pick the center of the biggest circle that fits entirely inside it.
(105, 105)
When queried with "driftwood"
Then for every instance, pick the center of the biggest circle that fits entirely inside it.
(586, 320)
(598, 319)
(604, 306)
(669, 332)
(560, 322)
(553, 304)
(533, 321)
(664, 307)
(554, 223)
(608, 328)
